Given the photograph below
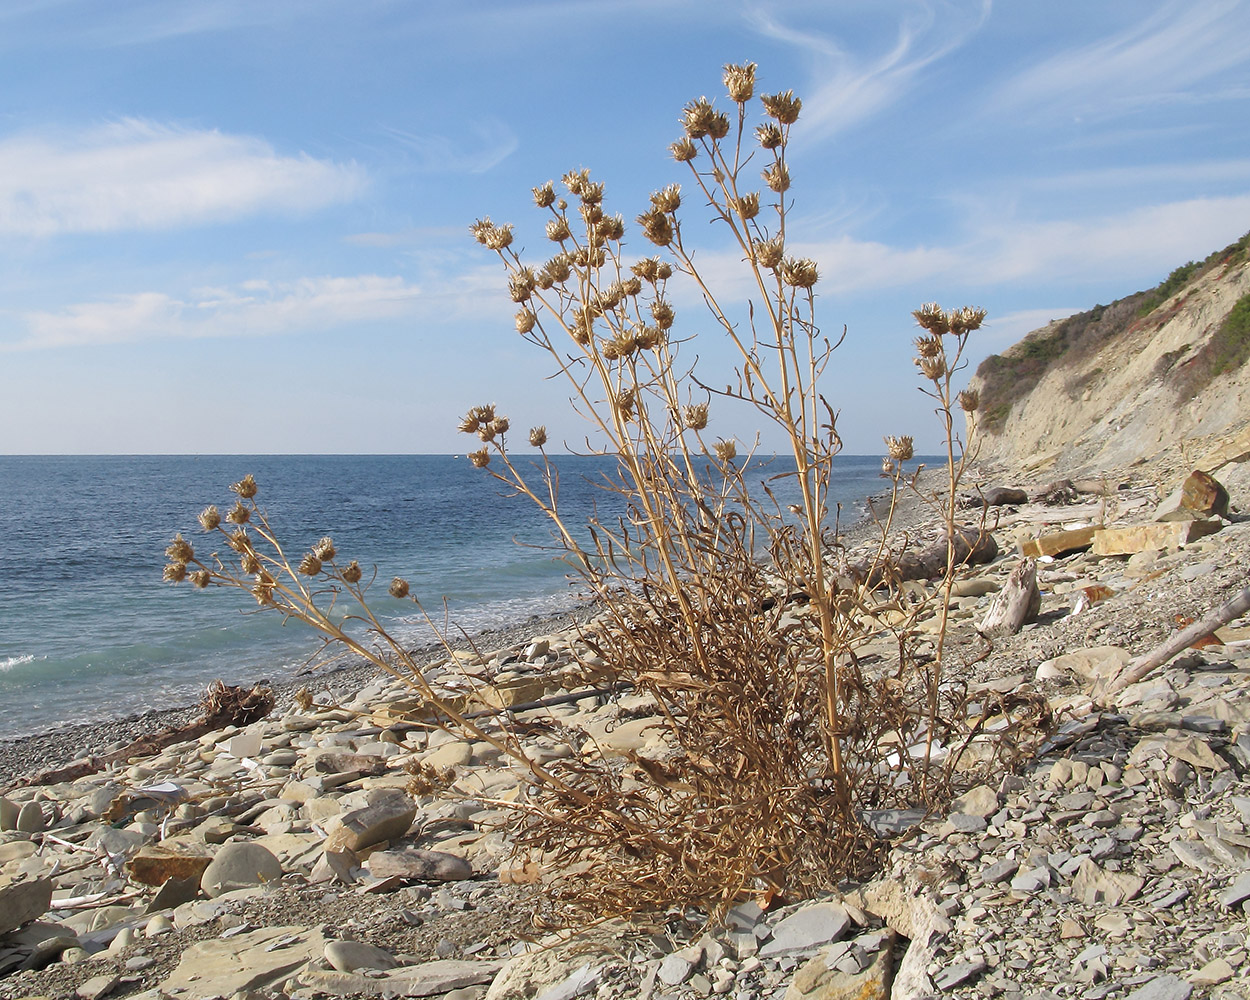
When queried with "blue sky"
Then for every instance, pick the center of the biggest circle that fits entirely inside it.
(231, 226)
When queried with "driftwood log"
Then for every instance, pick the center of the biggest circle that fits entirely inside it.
(1016, 604)
(1135, 670)
(222, 705)
(973, 546)
(995, 496)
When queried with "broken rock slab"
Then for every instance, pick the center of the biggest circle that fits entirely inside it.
(817, 980)
(249, 961)
(22, 902)
(1200, 495)
(806, 929)
(419, 865)
(1157, 535)
(426, 980)
(1058, 543)
(386, 818)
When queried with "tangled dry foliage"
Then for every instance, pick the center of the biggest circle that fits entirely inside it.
(733, 610)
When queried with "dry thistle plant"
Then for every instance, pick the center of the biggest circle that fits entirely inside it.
(727, 607)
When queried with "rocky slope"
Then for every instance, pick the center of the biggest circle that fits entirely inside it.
(1155, 377)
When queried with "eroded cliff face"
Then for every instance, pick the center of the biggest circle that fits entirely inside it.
(1142, 392)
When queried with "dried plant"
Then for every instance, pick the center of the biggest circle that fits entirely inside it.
(731, 608)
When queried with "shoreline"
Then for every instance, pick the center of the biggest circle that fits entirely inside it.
(27, 753)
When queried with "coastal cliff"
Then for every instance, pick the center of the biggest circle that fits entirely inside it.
(1159, 376)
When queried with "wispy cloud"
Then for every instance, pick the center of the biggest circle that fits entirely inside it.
(488, 143)
(848, 87)
(137, 174)
(1160, 60)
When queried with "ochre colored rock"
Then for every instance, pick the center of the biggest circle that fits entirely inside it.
(1198, 496)
(1160, 535)
(1057, 543)
(155, 865)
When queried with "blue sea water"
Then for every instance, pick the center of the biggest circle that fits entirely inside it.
(89, 631)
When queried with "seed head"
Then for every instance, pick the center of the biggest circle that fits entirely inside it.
(575, 181)
(500, 425)
(631, 286)
(591, 192)
(726, 451)
(263, 592)
(667, 199)
(399, 588)
(931, 317)
(620, 346)
(899, 448)
(525, 321)
(684, 150)
(966, 320)
(583, 327)
(799, 272)
(887, 465)
(538, 436)
(740, 82)
(611, 228)
(310, 565)
(777, 177)
(648, 338)
(694, 416)
(656, 227)
(624, 402)
(210, 518)
(969, 400)
(748, 206)
(769, 135)
(521, 285)
(175, 572)
(250, 564)
(324, 549)
(928, 346)
(590, 213)
(587, 257)
(201, 578)
(770, 252)
(238, 514)
(480, 459)
(558, 268)
(645, 269)
(933, 368)
(663, 314)
(558, 229)
(697, 118)
(245, 487)
(491, 236)
(352, 572)
(239, 541)
(180, 550)
(784, 107)
(474, 419)
(545, 196)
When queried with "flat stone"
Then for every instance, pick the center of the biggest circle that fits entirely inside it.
(816, 980)
(1163, 988)
(579, 984)
(428, 979)
(249, 961)
(156, 865)
(1093, 884)
(98, 986)
(1093, 662)
(807, 929)
(1200, 495)
(1056, 543)
(1213, 973)
(30, 819)
(240, 865)
(387, 818)
(1000, 871)
(1156, 535)
(980, 801)
(675, 969)
(1237, 893)
(957, 974)
(419, 865)
(348, 956)
(22, 902)
(456, 754)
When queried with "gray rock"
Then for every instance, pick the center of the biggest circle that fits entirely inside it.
(1236, 893)
(675, 970)
(22, 902)
(249, 961)
(807, 929)
(9, 811)
(348, 956)
(1163, 988)
(30, 819)
(1000, 871)
(387, 817)
(419, 865)
(240, 865)
(980, 801)
(954, 975)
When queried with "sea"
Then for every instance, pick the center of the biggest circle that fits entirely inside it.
(88, 630)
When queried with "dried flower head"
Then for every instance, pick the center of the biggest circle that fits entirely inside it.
(250, 563)
(500, 425)
(583, 327)
(263, 592)
(325, 549)
(969, 400)
(590, 213)
(697, 118)
(175, 572)
(663, 314)
(239, 541)
(740, 81)
(558, 268)
(538, 436)
(201, 578)
(476, 417)
(799, 272)
(624, 402)
(726, 451)
(245, 487)
(777, 177)
(769, 253)
(900, 449)
(748, 206)
(933, 368)
(631, 286)
(612, 228)
(399, 588)
(238, 514)
(575, 180)
(310, 565)
(179, 550)
(646, 268)
(667, 199)
(648, 338)
(525, 321)
(545, 196)
(694, 416)
(966, 320)
(784, 107)
(587, 257)
(656, 227)
(591, 192)
(932, 318)
(887, 465)
(480, 459)
(521, 285)
(622, 345)
(352, 572)
(210, 518)
(769, 135)
(558, 229)
(491, 236)
(928, 346)
(683, 150)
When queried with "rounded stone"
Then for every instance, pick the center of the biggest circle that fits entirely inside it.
(31, 818)
(348, 956)
(240, 865)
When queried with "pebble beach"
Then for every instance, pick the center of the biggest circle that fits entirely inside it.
(293, 858)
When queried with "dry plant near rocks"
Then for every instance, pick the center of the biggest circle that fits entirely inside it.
(726, 605)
